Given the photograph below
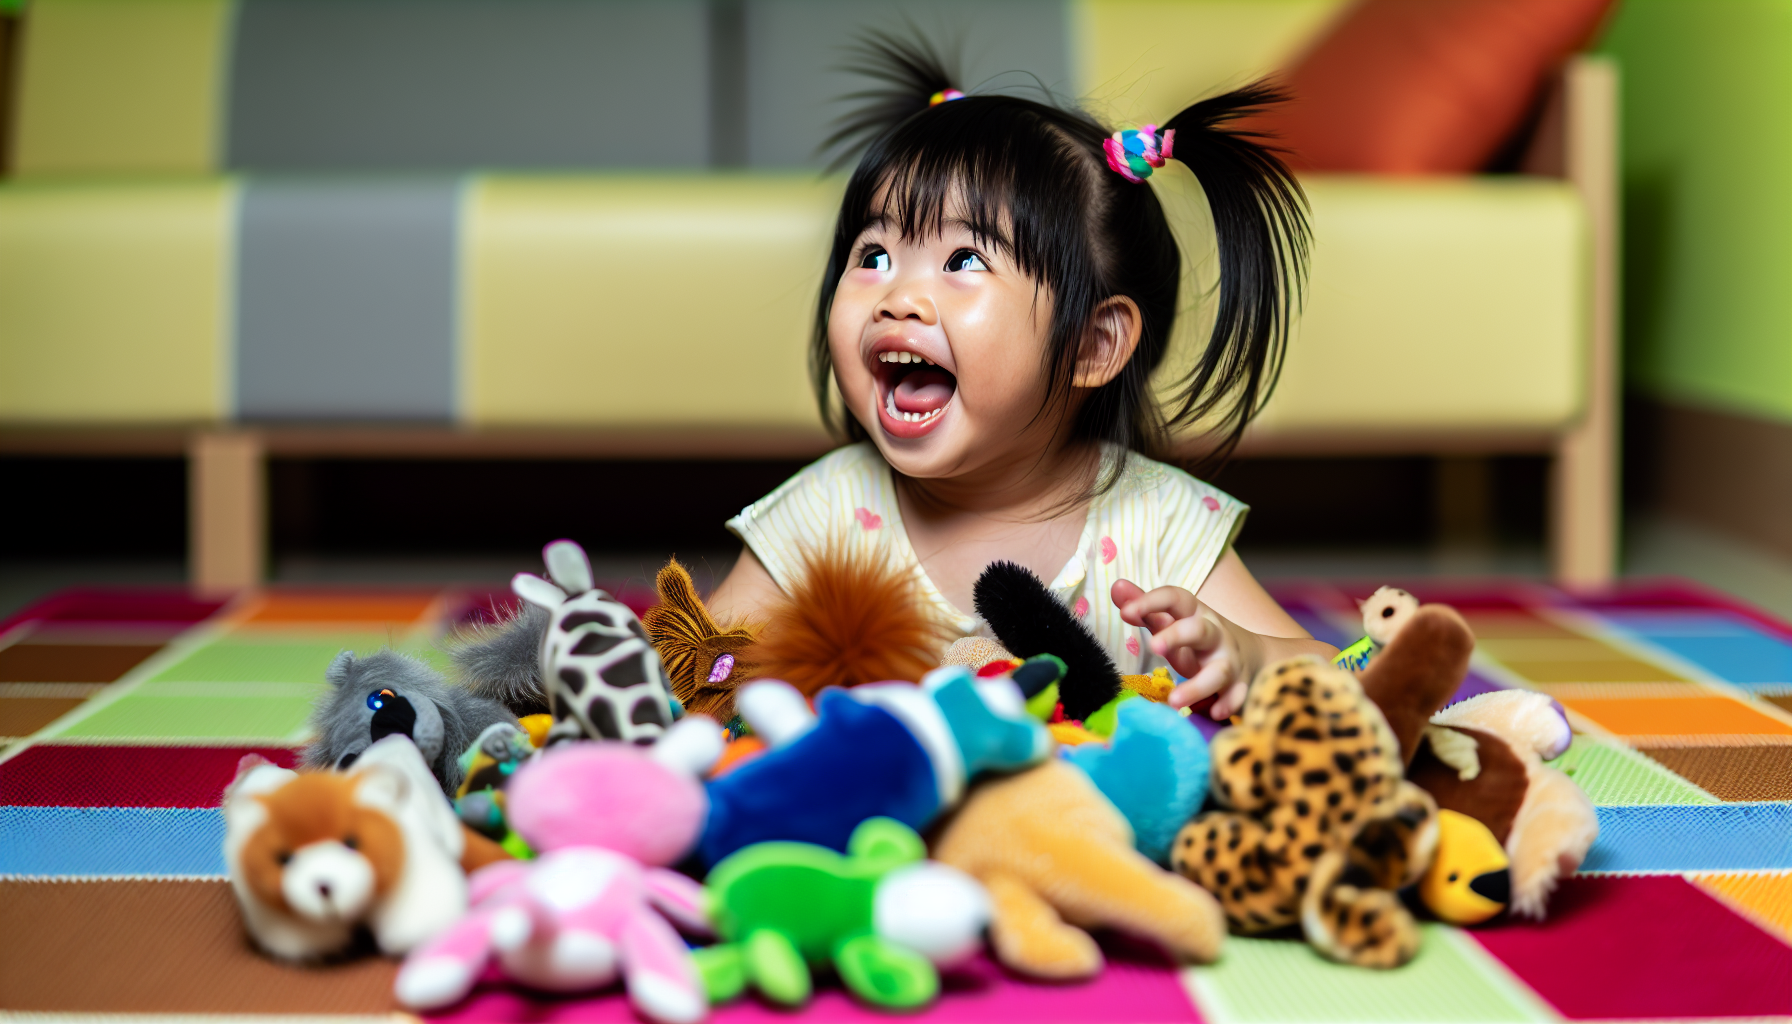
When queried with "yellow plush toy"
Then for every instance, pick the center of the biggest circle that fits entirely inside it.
(1057, 857)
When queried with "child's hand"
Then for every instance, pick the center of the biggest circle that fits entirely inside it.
(1216, 655)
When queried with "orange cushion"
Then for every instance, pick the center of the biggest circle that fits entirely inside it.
(1425, 86)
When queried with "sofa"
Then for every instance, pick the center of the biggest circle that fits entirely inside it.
(267, 227)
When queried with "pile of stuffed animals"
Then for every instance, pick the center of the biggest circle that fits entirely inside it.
(556, 816)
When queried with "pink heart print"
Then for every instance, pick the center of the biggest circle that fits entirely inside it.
(1081, 608)
(1108, 550)
(1132, 646)
(868, 519)
(1212, 503)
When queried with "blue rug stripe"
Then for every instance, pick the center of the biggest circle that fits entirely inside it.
(1715, 837)
(61, 841)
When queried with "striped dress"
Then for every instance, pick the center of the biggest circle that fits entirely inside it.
(1157, 526)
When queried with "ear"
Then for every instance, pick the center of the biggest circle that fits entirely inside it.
(381, 785)
(1113, 336)
(537, 591)
(341, 670)
(568, 566)
(691, 746)
(255, 775)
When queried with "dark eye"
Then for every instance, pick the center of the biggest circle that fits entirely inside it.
(965, 259)
(283, 857)
(378, 700)
(875, 258)
(351, 842)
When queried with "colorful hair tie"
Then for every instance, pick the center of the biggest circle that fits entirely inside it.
(944, 96)
(1135, 153)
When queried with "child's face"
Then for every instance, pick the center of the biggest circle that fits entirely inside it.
(938, 347)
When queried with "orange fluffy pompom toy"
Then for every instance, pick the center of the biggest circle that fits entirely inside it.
(849, 621)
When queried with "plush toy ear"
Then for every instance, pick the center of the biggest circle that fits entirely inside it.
(256, 774)
(382, 785)
(691, 746)
(1418, 671)
(342, 669)
(568, 566)
(537, 591)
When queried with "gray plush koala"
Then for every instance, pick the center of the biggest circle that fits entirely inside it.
(388, 692)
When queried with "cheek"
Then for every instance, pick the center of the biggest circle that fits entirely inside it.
(262, 872)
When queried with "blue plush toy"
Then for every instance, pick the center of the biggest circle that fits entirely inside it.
(893, 750)
(1154, 770)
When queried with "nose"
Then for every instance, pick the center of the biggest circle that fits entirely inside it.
(395, 715)
(906, 300)
(323, 889)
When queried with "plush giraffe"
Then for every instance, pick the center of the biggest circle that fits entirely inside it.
(602, 677)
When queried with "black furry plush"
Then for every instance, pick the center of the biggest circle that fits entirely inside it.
(1029, 619)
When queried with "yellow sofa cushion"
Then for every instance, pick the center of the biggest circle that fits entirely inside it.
(114, 301)
(1456, 303)
(642, 301)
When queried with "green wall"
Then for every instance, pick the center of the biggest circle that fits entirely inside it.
(1707, 166)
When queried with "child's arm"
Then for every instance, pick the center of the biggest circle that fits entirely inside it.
(746, 592)
(1219, 638)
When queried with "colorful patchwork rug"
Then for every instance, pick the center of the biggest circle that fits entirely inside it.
(124, 713)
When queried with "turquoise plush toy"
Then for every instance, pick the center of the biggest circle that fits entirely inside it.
(1154, 770)
(882, 915)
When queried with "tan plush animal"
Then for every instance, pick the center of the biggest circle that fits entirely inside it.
(314, 855)
(1057, 857)
(1483, 757)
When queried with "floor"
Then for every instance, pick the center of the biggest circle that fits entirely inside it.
(1653, 547)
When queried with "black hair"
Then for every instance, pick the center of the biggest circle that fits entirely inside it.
(1035, 184)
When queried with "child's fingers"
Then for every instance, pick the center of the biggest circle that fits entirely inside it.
(1195, 633)
(1137, 607)
(1230, 701)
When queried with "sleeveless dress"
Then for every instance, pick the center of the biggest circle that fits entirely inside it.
(1157, 526)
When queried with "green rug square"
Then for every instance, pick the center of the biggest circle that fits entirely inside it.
(145, 715)
(1285, 980)
(1616, 776)
(237, 660)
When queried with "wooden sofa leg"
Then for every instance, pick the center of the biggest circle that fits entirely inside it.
(1584, 506)
(227, 510)
(1584, 493)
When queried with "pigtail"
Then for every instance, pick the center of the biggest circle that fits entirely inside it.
(1260, 225)
(912, 74)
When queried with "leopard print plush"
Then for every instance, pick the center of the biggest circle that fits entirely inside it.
(1322, 827)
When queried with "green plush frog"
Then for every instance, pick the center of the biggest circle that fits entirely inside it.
(882, 915)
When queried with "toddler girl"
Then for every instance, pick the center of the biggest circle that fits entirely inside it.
(1001, 287)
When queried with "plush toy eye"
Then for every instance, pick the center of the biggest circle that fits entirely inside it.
(1454, 875)
(378, 700)
(283, 857)
(351, 842)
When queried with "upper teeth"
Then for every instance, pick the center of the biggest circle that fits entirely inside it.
(903, 357)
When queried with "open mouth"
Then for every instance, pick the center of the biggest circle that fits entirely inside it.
(915, 391)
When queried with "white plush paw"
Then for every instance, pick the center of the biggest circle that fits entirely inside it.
(432, 982)
(666, 1000)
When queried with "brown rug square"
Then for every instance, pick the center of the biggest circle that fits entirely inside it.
(160, 946)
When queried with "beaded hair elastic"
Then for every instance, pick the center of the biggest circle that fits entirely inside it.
(944, 96)
(1135, 153)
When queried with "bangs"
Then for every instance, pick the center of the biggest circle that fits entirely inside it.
(1013, 179)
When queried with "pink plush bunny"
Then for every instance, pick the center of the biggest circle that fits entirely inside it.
(607, 817)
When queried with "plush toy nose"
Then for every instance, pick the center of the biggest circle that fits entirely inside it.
(1494, 885)
(395, 715)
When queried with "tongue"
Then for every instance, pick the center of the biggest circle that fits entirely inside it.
(924, 390)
